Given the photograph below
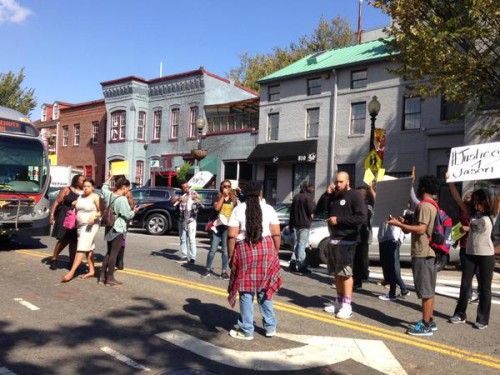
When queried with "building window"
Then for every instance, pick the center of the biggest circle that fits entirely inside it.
(141, 125)
(274, 93)
(358, 118)
(65, 136)
(55, 112)
(193, 115)
(174, 123)
(350, 169)
(303, 173)
(88, 171)
(44, 113)
(411, 117)
(451, 111)
(95, 132)
(118, 125)
(76, 138)
(314, 86)
(359, 78)
(139, 172)
(273, 126)
(157, 125)
(312, 122)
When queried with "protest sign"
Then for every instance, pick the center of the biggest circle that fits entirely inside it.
(474, 162)
(119, 168)
(200, 179)
(456, 232)
(392, 199)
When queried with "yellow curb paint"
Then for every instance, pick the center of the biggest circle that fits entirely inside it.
(444, 349)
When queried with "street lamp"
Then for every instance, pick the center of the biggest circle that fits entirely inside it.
(198, 153)
(373, 110)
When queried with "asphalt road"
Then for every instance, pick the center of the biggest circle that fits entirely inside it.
(166, 319)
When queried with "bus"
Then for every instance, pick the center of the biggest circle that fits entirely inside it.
(24, 178)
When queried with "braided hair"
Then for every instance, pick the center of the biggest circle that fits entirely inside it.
(253, 212)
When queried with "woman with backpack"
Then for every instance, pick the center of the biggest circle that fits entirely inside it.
(479, 254)
(114, 235)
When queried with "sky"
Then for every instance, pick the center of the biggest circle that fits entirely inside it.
(68, 47)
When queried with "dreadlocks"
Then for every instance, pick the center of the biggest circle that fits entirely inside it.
(253, 213)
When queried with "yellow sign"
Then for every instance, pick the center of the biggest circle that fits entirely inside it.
(373, 161)
(119, 168)
(369, 176)
(380, 174)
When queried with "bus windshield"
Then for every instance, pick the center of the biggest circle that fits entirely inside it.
(22, 165)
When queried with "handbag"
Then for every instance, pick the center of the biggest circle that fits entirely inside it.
(70, 220)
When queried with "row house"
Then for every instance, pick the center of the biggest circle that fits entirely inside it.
(314, 121)
(153, 125)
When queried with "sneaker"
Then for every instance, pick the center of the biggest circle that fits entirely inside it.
(345, 312)
(420, 329)
(237, 334)
(206, 273)
(405, 293)
(184, 259)
(432, 325)
(224, 276)
(271, 333)
(474, 301)
(387, 297)
(292, 267)
(333, 308)
(304, 270)
(191, 261)
(455, 319)
(480, 325)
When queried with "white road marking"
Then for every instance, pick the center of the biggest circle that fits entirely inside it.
(6, 371)
(319, 351)
(26, 304)
(124, 359)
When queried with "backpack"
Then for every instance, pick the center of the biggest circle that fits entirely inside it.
(108, 215)
(440, 240)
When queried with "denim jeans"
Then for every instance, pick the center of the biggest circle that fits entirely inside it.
(218, 238)
(299, 250)
(246, 310)
(188, 231)
(389, 259)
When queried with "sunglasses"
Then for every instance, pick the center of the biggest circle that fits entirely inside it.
(228, 186)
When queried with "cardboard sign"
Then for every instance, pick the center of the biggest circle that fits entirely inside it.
(368, 177)
(200, 179)
(392, 199)
(474, 162)
(119, 168)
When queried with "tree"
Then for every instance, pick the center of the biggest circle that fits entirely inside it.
(327, 35)
(12, 95)
(450, 47)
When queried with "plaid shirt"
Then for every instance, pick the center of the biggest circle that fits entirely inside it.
(254, 268)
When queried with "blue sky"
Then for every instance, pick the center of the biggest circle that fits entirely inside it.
(68, 47)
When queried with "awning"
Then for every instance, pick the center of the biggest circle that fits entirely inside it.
(288, 152)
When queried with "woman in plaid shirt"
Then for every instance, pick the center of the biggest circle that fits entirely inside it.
(253, 244)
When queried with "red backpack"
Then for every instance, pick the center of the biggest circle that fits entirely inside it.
(440, 240)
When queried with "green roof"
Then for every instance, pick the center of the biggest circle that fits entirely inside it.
(332, 59)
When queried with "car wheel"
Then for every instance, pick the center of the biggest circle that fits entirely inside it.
(441, 261)
(157, 224)
(323, 251)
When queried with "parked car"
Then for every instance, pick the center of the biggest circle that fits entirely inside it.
(319, 238)
(283, 212)
(160, 216)
(148, 193)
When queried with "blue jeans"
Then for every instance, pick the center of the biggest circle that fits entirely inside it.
(218, 238)
(299, 251)
(186, 232)
(246, 311)
(389, 259)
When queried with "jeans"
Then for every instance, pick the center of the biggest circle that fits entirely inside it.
(299, 250)
(389, 259)
(486, 265)
(218, 238)
(246, 311)
(188, 231)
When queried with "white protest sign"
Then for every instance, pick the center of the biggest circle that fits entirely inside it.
(392, 199)
(474, 162)
(200, 179)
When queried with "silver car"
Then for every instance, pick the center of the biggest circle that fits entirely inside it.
(319, 238)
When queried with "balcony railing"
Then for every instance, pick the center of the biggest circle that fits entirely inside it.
(234, 122)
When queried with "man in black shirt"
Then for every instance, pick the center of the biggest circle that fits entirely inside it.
(346, 213)
(301, 214)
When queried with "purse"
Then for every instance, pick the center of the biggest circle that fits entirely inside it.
(70, 220)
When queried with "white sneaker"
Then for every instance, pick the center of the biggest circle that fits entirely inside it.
(345, 312)
(237, 334)
(271, 333)
(333, 309)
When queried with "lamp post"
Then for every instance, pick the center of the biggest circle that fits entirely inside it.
(373, 110)
(198, 153)
(200, 124)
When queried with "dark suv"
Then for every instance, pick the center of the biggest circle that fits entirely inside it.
(160, 217)
(146, 194)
